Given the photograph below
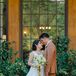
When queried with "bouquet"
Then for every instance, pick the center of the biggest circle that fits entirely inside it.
(40, 60)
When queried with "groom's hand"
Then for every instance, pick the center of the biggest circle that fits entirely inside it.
(47, 70)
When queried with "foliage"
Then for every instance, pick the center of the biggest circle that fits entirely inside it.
(72, 62)
(62, 56)
(4, 62)
(18, 68)
(25, 58)
(66, 59)
(1, 74)
(8, 66)
(25, 44)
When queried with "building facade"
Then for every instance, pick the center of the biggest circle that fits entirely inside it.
(24, 20)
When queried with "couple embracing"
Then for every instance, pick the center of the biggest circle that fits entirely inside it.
(43, 63)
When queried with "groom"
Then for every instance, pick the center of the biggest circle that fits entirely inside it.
(50, 54)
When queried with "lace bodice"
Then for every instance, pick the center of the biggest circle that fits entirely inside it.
(36, 55)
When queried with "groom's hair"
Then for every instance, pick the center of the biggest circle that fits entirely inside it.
(44, 35)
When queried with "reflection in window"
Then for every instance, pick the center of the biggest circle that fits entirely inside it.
(2, 20)
(42, 16)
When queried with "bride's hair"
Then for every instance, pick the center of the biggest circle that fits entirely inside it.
(34, 44)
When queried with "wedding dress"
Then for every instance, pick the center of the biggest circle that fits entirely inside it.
(34, 70)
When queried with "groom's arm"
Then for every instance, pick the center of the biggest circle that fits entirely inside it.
(50, 53)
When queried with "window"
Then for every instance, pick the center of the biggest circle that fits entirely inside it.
(40, 16)
(2, 19)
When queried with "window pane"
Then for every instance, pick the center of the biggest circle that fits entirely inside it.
(43, 0)
(52, 20)
(52, 7)
(60, 19)
(26, 32)
(26, 44)
(60, 7)
(3, 19)
(26, 20)
(43, 19)
(35, 7)
(34, 0)
(43, 7)
(62, 25)
(61, 31)
(53, 32)
(60, 0)
(35, 20)
(35, 32)
(26, 8)
(57, 0)
(1, 32)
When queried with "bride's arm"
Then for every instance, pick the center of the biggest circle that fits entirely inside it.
(43, 52)
(30, 59)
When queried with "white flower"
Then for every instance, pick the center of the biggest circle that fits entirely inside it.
(40, 60)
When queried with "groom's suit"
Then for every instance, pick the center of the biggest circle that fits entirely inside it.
(50, 54)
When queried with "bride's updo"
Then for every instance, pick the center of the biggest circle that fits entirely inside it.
(34, 45)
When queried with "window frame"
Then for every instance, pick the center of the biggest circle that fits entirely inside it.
(21, 25)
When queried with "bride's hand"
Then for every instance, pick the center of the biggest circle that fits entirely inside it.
(34, 65)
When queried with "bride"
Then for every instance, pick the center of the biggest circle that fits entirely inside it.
(36, 60)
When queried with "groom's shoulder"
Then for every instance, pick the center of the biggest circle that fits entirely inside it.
(51, 44)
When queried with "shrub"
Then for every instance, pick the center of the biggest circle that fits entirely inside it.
(7, 67)
(62, 56)
(72, 62)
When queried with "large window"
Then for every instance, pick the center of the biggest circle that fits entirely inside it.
(40, 16)
(2, 19)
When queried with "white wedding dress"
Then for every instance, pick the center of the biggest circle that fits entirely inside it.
(34, 70)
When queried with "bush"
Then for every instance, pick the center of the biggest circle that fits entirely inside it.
(62, 56)
(25, 58)
(7, 67)
(66, 59)
(72, 62)
(1, 74)
(17, 68)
